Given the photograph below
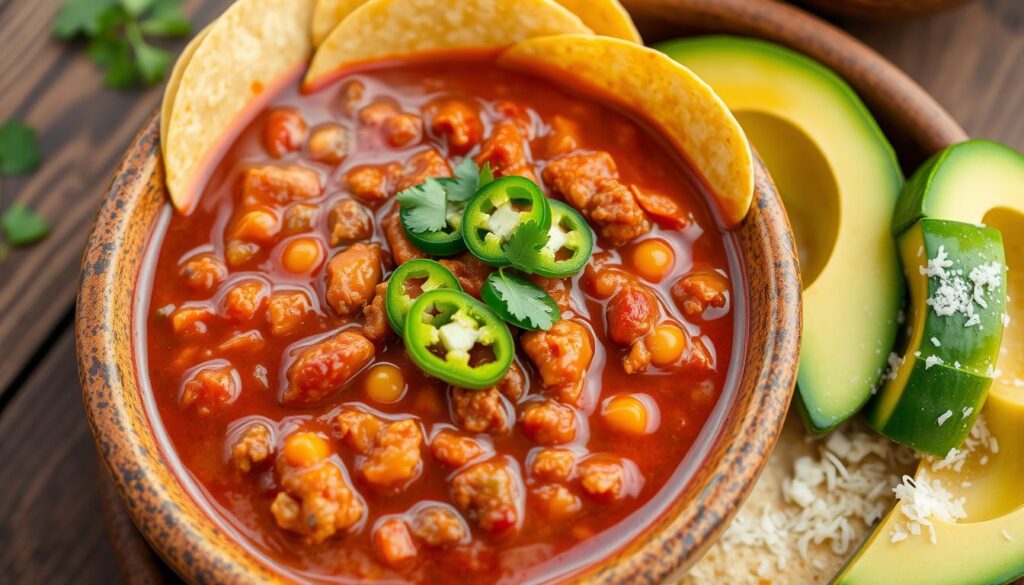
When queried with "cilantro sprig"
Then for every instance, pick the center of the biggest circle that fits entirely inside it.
(519, 301)
(431, 205)
(523, 248)
(19, 154)
(116, 31)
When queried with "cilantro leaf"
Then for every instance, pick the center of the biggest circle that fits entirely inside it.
(165, 19)
(152, 61)
(468, 180)
(136, 7)
(519, 301)
(114, 56)
(523, 248)
(80, 17)
(486, 175)
(22, 226)
(424, 207)
(19, 151)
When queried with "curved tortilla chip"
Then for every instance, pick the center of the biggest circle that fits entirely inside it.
(393, 28)
(604, 17)
(249, 49)
(173, 82)
(671, 97)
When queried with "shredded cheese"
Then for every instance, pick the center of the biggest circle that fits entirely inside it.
(922, 500)
(944, 417)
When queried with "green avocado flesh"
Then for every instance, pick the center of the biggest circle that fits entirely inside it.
(839, 180)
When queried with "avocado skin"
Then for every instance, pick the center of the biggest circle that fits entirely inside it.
(829, 390)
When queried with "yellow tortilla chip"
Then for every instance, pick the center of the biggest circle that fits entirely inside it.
(327, 15)
(393, 28)
(604, 17)
(250, 49)
(173, 82)
(671, 97)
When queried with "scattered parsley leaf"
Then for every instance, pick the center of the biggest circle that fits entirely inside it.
(80, 17)
(424, 207)
(523, 248)
(22, 226)
(19, 151)
(519, 301)
(486, 175)
(116, 31)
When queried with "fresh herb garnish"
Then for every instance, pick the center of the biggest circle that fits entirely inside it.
(469, 178)
(519, 301)
(424, 207)
(19, 151)
(22, 226)
(116, 31)
(523, 248)
(19, 154)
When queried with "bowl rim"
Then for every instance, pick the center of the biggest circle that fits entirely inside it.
(164, 509)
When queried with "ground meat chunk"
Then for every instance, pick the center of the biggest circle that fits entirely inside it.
(352, 276)
(606, 478)
(245, 342)
(351, 96)
(370, 184)
(697, 292)
(376, 326)
(394, 458)
(210, 388)
(284, 131)
(505, 150)
(616, 213)
(604, 282)
(349, 222)
(245, 300)
(480, 411)
(203, 272)
(575, 177)
(562, 356)
(513, 384)
(252, 447)
(287, 311)
(563, 138)
(323, 368)
(377, 112)
(191, 320)
(393, 543)
(358, 429)
(458, 121)
(317, 502)
(631, 314)
(273, 184)
(438, 525)
(402, 249)
(638, 358)
(553, 465)
(555, 502)
(300, 218)
(470, 270)
(549, 423)
(662, 208)
(490, 493)
(421, 167)
(403, 130)
(455, 449)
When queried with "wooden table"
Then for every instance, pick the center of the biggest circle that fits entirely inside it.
(51, 527)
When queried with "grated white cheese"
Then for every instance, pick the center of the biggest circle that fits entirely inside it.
(958, 295)
(933, 360)
(944, 417)
(935, 342)
(922, 500)
(967, 410)
(980, 438)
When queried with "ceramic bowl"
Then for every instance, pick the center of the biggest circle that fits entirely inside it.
(882, 10)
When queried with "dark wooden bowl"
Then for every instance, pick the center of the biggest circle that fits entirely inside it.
(912, 119)
(882, 10)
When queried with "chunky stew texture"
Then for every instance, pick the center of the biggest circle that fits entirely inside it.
(292, 404)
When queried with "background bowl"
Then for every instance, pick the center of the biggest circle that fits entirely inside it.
(883, 10)
(746, 422)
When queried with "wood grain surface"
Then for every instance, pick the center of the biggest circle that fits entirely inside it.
(51, 529)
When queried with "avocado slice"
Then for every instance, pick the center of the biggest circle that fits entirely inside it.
(933, 398)
(839, 179)
(975, 181)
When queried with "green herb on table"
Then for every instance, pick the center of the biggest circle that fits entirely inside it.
(117, 31)
(19, 154)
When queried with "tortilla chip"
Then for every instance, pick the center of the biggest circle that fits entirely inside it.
(174, 81)
(383, 29)
(604, 17)
(252, 47)
(327, 15)
(671, 97)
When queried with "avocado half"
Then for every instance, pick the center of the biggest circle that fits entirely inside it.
(839, 179)
(976, 182)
